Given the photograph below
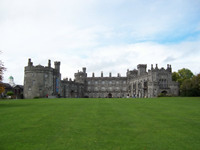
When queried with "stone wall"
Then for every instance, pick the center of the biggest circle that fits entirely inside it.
(40, 81)
(100, 87)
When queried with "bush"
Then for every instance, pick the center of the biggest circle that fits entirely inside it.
(10, 93)
(161, 95)
(164, 95)
(36, 97)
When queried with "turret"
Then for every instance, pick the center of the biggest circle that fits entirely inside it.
(57, 65)
(84, 70)
(118, 75)
(141, 69)
(156, 66)
(81, 76)
(39, 80)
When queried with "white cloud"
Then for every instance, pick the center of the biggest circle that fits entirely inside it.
(115, 59)
(100, 35)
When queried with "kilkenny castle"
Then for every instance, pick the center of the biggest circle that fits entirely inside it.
(45, 81)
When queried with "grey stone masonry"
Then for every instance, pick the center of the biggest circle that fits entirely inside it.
(41, 81)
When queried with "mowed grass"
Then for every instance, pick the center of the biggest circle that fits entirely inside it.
(100, 124)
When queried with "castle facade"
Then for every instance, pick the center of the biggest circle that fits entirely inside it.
(45, 81)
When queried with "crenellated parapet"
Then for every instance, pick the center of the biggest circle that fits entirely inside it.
(38, 68)
(156, 69)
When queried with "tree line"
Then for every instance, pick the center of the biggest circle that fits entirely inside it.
(189, 83)
(2, 69)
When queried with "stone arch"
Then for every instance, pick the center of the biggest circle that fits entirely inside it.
(164, 92)
(72, 94)
(109, 95)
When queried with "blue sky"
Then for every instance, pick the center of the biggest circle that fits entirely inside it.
(110, 36)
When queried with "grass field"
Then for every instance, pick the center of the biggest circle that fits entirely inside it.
(100, 124)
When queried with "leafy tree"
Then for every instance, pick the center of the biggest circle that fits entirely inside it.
(2, 69)
(184, 74)
(186, 80)
(2, 88)
(196, 85)
(175, 76)
(191, 87)
(186, 88)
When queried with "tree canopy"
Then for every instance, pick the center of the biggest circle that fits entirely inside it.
(191, 87)
(188, 82)
(182, 75)
(2, 69)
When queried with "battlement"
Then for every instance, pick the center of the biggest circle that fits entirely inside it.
(40, 68)
(132, 73)
(156, 69)
(102, 75)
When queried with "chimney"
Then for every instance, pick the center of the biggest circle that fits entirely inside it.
(156, 66)
(49, 63)
(29, 62)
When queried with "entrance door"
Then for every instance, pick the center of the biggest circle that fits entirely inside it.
(109, 95)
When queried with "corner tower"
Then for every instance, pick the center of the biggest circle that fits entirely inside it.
(40, 81)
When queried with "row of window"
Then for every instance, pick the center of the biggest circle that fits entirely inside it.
(106, 82)
(106, 89)
(104, 95)
(163, 83)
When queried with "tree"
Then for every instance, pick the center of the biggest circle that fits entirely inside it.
(191, 87)
(196, 85)
(186, 88)
(185, 79)
(2, 69)
(184, 74)
(175, 76)
(2, 88)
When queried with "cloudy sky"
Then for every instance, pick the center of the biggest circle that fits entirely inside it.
(102, 35)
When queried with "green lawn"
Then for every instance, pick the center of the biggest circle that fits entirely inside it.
(100, 124)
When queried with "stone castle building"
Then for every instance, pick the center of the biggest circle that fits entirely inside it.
(43, 81)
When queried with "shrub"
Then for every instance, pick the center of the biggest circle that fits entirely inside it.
(164, 95)
(36, 97)
(10, 93)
